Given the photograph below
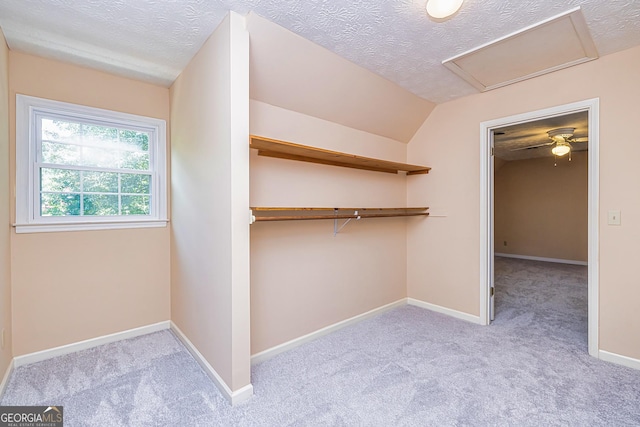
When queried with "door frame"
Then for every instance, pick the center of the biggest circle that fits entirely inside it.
(592, 106)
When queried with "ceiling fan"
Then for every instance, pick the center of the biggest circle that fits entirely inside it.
(561, 138)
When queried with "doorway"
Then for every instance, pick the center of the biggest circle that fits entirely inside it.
(487, 190)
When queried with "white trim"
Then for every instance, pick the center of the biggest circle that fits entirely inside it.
(544, 259)
(592, 106)
(593, 234)
(28, 218)
(83, 226)
(273, 351)
(486, 222)
(619, 359)
(234, 397)
(5, 379)
(39, 356)
(444, 310)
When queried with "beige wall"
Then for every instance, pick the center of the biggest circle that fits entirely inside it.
(302, 277)
(444, 253)
(541, 209)
(68, 287)
(5, 217)
(210, 206)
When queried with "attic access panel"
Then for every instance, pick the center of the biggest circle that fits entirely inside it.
(556, 43)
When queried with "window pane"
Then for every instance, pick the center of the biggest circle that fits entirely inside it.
(52, 204)
(59, 180)
(135, 205)
(62, 154)
(98, 204)
(99, 135)
(85, 165)
(134, 139)
(101, 157)
(135, 183)
(135, 160)
(100, 182)
(61, 131)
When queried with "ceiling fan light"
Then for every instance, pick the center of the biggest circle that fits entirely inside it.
(561, 149)
(440, 9)
(561, 134)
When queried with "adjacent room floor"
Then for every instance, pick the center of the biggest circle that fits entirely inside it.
(406, 367)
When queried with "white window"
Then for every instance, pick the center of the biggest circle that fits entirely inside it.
(82, 168)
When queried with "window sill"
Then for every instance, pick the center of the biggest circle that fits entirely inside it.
(86, 226)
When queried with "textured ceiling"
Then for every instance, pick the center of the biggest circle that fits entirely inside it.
(153, 40)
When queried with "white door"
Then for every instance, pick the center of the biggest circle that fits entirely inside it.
(492, 289)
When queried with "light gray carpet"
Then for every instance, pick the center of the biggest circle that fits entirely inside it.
(407, 367)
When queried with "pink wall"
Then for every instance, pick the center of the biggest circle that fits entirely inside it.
(444, 253)
(210, 205)
(6, 352)
(283, 64)
(302, 277)
(68, 287)
(541, 209)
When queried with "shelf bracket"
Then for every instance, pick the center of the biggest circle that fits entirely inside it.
(337, 229)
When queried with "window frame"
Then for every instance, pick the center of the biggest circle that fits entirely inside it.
(28, 205)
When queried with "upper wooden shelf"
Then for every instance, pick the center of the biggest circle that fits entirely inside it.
(288, 150)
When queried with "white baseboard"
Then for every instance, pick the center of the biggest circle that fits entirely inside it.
(538, 258)
(5, 379)
(618, 359)
(273, 351)
(448, 311)
(233, 397)
(39, 356)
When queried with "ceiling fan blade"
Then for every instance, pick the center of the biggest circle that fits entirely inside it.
(532, 146)
(578, 140)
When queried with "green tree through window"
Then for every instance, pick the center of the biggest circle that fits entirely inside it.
(84, 168)
(93, 170)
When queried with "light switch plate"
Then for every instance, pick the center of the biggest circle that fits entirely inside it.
(614, 218)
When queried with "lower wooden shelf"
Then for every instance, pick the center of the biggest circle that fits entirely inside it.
(297, 214)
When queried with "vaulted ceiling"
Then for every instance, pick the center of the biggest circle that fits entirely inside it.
(153, 40)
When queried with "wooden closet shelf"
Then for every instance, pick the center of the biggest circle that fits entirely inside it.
(338, 213)
(288, 150)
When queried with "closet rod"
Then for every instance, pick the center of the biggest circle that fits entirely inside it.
(280, 209)
(339, 216)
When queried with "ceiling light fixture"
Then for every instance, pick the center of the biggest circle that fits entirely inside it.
(441, 9)
(561, 149)
(560, 137)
